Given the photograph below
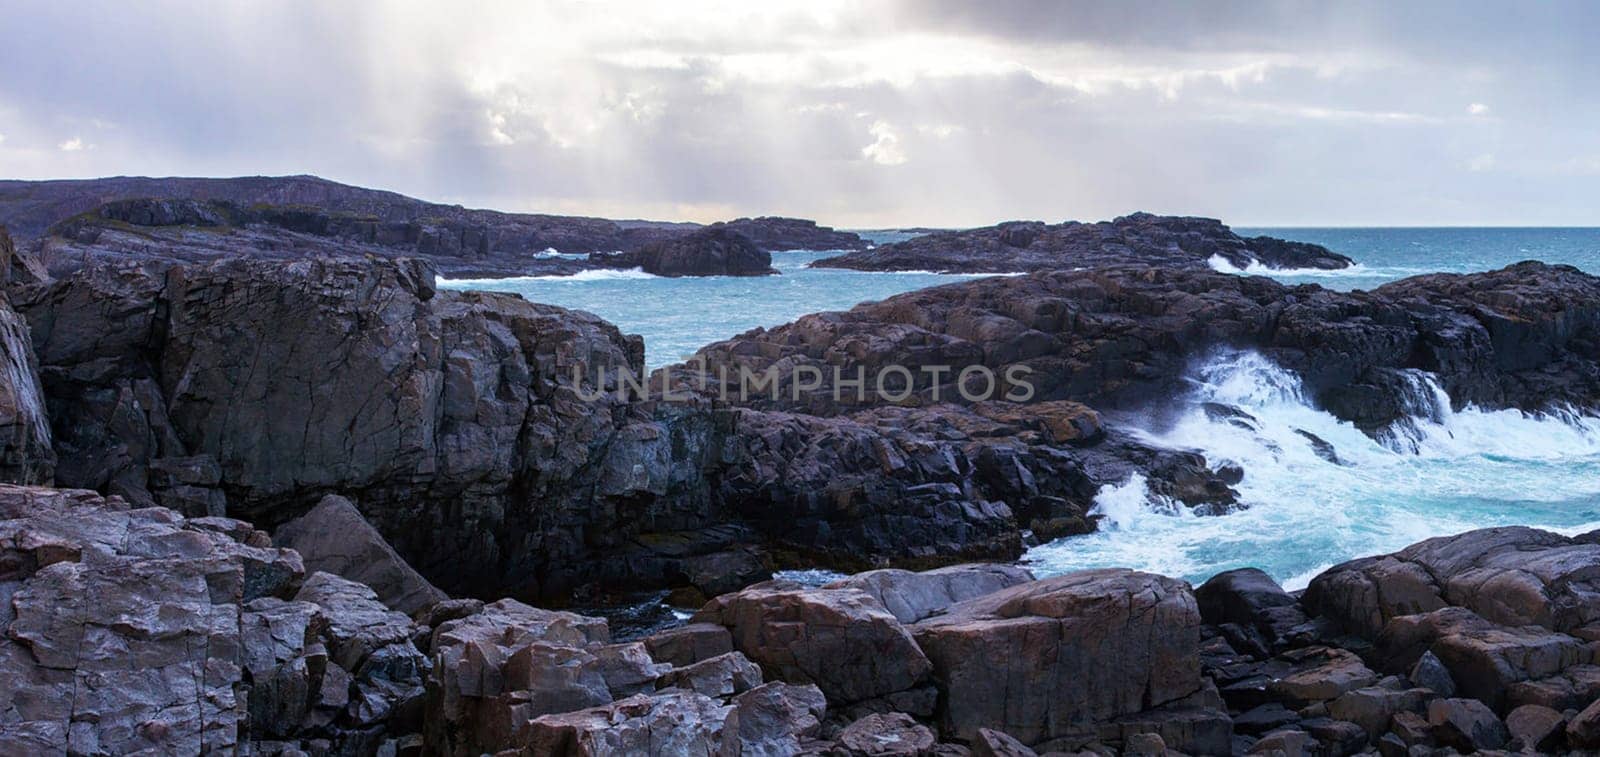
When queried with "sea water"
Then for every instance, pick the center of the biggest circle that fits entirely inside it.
(1444, 472)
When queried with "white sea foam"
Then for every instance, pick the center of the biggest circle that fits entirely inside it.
(594, 274)
(1256, 268)
(1444, 472)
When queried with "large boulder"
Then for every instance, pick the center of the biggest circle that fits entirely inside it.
(1055, 658)
(1512, 576)
(333, 537)
(1250, 603)
(841, 640)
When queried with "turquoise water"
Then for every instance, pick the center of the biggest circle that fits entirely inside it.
(678, 316)
(1384, 255)
(1451, 472)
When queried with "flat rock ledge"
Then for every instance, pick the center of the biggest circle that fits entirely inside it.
(139, 630)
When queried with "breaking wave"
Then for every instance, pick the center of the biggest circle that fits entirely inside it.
(1317, 490)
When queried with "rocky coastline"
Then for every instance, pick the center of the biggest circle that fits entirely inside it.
(70, 224)
(130, 629)
(1021, 246)
(317, 505)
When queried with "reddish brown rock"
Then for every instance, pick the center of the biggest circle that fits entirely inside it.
(842, 640)
(1052, 658)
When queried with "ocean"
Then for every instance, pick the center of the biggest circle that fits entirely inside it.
(1451, 472)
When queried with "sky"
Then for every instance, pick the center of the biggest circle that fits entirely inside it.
(872, 114)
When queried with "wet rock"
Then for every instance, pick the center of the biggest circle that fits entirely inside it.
(1249, 598)
(1535, 727)
(335, 538)
(1052, 657)
(886, 735)
(671, 723)
(1466, 724)
(841, 640)
(915, 596)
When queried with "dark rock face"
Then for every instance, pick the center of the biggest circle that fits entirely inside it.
(26, 454)
(1125, 336)
(1169, 241)
(714, 251)
(468, 424)
(436, 412)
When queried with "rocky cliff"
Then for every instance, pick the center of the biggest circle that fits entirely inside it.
(475, 424)
(1169, 241)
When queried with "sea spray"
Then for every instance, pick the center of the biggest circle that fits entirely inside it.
(1317, 490)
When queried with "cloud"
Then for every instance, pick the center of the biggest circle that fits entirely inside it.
(885, 148)
(74, 144)
(1481, 163)
(1282, 112)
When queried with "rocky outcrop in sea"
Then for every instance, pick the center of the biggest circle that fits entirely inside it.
(1526, 337)
(1017, 246)
(717, 250)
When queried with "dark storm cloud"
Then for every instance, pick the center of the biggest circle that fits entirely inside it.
(930, 112)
